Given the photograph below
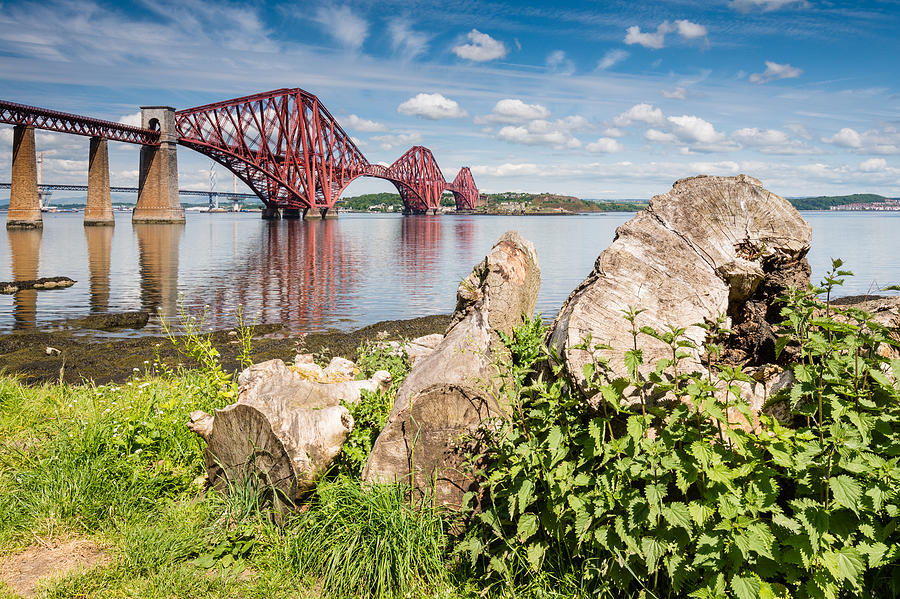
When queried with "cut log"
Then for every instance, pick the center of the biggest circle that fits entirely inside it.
(283, 430)
(449, 392)
(711, 246)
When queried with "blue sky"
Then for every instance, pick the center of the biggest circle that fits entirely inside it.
(595, 99)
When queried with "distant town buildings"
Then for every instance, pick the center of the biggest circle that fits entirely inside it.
(888, 205)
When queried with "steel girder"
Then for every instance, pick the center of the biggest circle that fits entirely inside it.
(464, 190)
(287, 147)
(283, 144)
(63, 122)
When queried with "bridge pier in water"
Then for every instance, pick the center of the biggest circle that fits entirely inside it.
(158, 200)
(290, 213)
(319, 213)
(24, 200)
(98, 209)
(270, 213)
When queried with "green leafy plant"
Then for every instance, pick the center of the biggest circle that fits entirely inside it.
(678, 500)
(371, 411)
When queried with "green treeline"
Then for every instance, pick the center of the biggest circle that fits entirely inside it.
(826, 202)
(550, 202)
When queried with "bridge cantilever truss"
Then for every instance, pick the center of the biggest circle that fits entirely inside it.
(287, 147)
(284, 144)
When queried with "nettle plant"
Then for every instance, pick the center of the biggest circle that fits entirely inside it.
(666, 501)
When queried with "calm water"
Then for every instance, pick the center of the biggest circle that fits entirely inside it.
(344, 273)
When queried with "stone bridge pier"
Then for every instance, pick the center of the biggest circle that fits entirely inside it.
(24, 200)
(158, 200)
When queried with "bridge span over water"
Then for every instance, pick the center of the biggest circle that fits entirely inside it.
(284, 144)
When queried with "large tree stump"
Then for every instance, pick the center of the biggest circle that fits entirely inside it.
(711, 246)
(450, 392)
(283, 430)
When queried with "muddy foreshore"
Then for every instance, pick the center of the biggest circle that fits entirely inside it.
(83, 357)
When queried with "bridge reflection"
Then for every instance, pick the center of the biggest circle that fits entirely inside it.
(99, 248)
(158, 246)
(420, 249)
(25, 253)
(300, 273)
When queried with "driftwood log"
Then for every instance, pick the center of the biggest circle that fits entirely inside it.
(284, 430)
(711, 246)
(449, 392)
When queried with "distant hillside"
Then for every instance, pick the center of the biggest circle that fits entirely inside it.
(551, 202)
(826, 202)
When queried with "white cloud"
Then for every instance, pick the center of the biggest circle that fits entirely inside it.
(746, 6)
(679, 93)
(343, 25)
(659, 136)
(605, 145)
(724, 167)
(405, 41)
(846, 138)
(613, 132)
(432, 106)
(655, 41)
(873, 165)
(512, 111)
(693, 129)
(755, 137)
(873, 141)
(611, 59)
(398, 139)
(686, 29)
(540, 132)
(360, 124)
(775, 71)
(643, 113)
(509, 169)
(481, 49)
(689, 30)
(799, 130)
(133, 119)
(772, 141)
(558, 63)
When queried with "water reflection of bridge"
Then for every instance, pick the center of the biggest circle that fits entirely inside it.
(25, 251)
(305, 274)
(158, 246)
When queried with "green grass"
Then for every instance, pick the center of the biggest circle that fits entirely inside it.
(370, 542)
(116, 464)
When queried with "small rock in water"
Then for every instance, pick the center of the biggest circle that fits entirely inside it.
(11, 287)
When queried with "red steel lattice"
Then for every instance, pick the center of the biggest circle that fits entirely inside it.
(287, 147)
(284, 144)
(63, 122)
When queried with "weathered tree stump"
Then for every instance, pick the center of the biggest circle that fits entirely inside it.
(711, 246)
(449, 392)
(283, 430)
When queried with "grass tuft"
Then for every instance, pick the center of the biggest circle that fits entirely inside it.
(369, 541)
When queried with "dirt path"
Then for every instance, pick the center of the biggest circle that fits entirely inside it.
(22, 572)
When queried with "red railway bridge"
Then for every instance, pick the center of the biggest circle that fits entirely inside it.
(284, 144)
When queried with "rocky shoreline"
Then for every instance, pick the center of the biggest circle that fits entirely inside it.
(74, 354)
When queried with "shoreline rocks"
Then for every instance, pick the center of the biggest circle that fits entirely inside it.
(12, 287)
